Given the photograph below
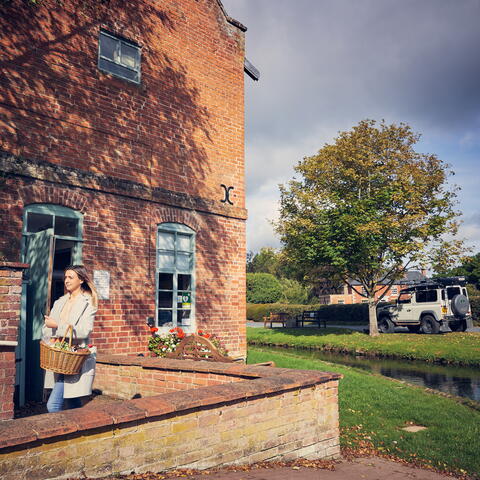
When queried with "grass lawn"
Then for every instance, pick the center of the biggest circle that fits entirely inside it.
(373, 410)
(452, 348)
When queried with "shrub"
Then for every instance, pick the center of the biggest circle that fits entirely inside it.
(293, 292)
(263, 288)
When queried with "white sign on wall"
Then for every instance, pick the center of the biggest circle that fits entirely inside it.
(101, 279)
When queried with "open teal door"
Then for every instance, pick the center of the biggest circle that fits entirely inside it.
(40, 249)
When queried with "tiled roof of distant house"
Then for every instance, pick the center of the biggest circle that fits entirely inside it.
(411, 276)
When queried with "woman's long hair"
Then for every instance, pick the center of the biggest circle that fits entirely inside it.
(87, 285)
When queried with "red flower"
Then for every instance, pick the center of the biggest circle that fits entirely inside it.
(200, 332)
(153, 329)
(207, 335)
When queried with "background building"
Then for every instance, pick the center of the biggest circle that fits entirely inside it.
(346, 295)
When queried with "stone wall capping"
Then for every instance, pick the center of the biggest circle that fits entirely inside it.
(15, 265)
(17, 432)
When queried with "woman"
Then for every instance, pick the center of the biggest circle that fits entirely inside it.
(76, 308)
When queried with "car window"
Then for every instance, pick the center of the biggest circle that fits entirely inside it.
(426, 296)
(405, 297)
(452, 291)
(464, 291)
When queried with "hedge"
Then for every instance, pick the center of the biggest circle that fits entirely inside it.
(357, 313)
(336, 314)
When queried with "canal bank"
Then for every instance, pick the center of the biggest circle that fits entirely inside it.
(458, 348)
(379, 416)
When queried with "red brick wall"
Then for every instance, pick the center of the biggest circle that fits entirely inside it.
(181, 129)
(119, 240)
(131, 381)
(10, 297)
(177, 137)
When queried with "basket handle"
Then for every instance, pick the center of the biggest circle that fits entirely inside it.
(69, 329)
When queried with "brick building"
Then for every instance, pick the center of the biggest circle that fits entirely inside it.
(346, 295)
(122, 148)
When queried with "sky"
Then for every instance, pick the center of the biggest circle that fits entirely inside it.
(327, 64)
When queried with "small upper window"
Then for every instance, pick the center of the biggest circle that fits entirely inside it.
(119, 57)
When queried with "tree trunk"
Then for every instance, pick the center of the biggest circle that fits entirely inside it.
(372, 317)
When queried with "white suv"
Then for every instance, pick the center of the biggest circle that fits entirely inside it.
(432, 306)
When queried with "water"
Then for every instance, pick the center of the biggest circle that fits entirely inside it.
(459, 381)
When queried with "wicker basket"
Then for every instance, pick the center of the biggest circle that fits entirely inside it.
(62, 361)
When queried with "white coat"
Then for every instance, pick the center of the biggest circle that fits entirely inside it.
(81, 316)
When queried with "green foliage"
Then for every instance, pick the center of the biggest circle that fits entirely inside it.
(263, 288)
(373, 410)
(475, 306)
(470, 268)
(452, 348)
(267, 260)
(366, 206)
(294, 292)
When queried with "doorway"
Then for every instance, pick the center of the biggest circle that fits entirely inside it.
(52, 240)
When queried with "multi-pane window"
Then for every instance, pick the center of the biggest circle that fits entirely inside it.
(119, 57)
(175, 275)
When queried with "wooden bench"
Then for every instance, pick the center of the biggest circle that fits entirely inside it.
(313, 316)
(280, 317)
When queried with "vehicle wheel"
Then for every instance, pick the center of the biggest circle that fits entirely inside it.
(459, 326)
(385, 325)
(414, 328)
(430, 325)
(460, 305)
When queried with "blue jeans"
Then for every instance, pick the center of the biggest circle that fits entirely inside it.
(56, 402)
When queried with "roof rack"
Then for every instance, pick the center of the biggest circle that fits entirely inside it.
(436, 282)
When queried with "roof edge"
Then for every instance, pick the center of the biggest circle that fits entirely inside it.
(231, 20)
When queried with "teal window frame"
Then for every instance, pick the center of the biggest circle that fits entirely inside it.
(55, 211)
(176, 230)
(116, 66)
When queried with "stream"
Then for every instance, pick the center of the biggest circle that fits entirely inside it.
(454, 380)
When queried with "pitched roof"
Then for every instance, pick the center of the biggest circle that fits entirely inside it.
(410, 277)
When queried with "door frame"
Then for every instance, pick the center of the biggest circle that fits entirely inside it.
(54, 211)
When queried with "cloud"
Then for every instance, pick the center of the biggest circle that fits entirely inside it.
(470, 231)
(327, 64)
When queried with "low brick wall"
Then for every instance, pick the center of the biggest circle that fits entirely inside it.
(258, 413)
(126, 377)
(10, 298)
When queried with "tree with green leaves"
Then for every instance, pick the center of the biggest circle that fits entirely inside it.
(267, 260)
(469, 268)
(367, 207)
